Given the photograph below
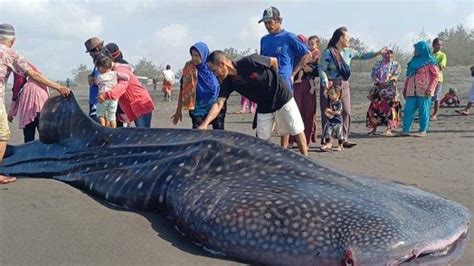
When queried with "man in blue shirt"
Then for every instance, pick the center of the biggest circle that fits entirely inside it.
(285, 46)
(93, 46)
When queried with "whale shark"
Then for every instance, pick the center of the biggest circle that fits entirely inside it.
(242, 197)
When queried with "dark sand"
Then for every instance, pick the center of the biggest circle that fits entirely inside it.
(46, 222)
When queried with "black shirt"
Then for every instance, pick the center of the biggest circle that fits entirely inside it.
(259, 83)
(336, 106)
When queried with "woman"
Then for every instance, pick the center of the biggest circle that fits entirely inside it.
(199, 89)
(420, 85)
(28, 99)
(117, 56)
(384, 108)
(304, 89)
(134, 99)
(335, 69)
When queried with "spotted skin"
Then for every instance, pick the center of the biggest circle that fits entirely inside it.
(243, 197)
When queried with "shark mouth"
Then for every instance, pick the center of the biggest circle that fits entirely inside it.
(444, 255)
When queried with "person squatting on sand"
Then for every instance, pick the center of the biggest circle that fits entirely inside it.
(199, 89)
(384, 108)
(11, 61)
(420, 85)
(254, 76)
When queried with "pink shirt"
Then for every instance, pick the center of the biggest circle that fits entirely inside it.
(10, 61)
(134, 99)
(424, 81)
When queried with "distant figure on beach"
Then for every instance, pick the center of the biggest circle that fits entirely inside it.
(335, 69)
(11, 61)
(465, 111)
(285, 47)
(106, 110)
(168, 80)
(450, 99)
(420, 86)
(199, 89)
(442, 61)
(254, 77)
(155, 83)
(384, 108)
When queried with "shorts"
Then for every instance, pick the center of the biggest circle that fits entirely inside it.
(4, 128)
(286, 120)
(333, 130)
(438, 92)
(107, 109)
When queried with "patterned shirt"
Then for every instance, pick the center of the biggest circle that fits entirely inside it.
(328, 69)
(382, 72)
(10, 61)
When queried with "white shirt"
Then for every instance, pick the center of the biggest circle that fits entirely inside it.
(169, 75)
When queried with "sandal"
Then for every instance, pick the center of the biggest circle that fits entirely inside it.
(387, 134)
(462, 112)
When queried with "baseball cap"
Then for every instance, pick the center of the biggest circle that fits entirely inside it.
(269, 14)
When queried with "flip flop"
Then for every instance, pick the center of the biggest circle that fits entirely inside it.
(7, 179)
(322, 149)
(462, 112)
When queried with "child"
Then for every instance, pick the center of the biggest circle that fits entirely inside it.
(384, 109)
(244, 103)
(313, 45)
(333, 126)
(450, 98)
(106, 111)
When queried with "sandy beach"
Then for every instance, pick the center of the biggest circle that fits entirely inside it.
(47, 222)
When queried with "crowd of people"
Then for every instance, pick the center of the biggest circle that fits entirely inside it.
(278, 85)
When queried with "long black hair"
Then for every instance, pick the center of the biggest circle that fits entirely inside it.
(336, 36)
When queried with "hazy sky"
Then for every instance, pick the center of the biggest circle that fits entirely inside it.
(51, 34)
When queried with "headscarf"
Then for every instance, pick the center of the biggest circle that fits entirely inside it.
(423, 56)
(207, 88)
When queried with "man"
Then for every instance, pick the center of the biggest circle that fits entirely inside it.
(256, 78)
(284, 46)
(12, 61)
(465, 111)
(442, 61)
(94, 46)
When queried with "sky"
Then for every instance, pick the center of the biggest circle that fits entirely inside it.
(51, 34)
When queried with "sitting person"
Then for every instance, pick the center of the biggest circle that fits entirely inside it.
(451, 98)
(333, 126)
(106, 110)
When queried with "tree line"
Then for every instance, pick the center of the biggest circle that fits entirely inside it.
(458, 45)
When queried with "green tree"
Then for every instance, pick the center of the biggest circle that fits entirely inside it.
(458, 45)
(81, 74)
(235, 54)
(146, 68)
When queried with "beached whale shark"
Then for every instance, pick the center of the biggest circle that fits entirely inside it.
(243, 197)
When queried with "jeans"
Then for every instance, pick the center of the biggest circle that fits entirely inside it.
(143, 121)
(423, 104)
